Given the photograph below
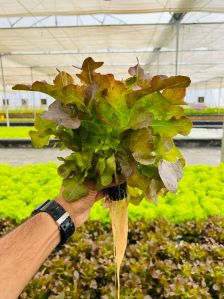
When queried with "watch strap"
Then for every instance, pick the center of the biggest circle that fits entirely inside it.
(61, 217)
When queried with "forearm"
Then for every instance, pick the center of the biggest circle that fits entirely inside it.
(23, 251)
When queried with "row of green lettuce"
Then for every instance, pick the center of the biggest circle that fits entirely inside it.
(200, 194)
(22, 111)
(190, 111)
(212, 110)
(17, 120)
(15, 132)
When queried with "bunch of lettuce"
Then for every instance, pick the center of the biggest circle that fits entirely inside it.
(118, 131)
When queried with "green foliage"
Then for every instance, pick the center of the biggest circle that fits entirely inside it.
(45, 128)
(22, 111)
(14, 132)
(129, 124)
(18, 120)
(162, 260)
(200, 194)
(190, 111)
(24, 187)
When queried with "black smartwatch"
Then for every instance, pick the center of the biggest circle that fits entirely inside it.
(61, 217)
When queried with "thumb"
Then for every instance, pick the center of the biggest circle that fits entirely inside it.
(101, 194)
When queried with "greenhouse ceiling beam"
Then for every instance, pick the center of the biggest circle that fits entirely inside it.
(107, 11)
(39, 21)
(176, 18)
(112, 25)
(13, 24)
(37, 53)
(115, 65)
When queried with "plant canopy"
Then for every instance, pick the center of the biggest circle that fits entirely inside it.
(118, 131)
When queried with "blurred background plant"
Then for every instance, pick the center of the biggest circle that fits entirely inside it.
(162, 260)
(200, 194)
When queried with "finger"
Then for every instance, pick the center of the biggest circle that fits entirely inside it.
(101, 194)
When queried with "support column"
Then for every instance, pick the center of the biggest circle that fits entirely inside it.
(164, 39)
(33, 96)
(157, 58)
(222, 144)
(177, 47)
(219, 104)
(220, 94)
(4, 92)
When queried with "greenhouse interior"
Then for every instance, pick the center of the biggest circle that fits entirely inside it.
(112, 123)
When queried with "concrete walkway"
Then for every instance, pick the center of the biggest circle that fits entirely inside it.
(202, 133)
(22, 156)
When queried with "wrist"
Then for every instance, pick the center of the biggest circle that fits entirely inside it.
(49, 224)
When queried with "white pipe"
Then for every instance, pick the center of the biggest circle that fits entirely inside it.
(33, 95)
(4, 92)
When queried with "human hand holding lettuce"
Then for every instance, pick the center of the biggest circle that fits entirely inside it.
(79, 210)
(118, 131)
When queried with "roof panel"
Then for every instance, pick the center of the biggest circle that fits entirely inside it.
(81, 38)
(76, 7)
(200, 57)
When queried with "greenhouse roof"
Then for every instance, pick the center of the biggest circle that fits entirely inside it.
(15, 8)
(168, 37)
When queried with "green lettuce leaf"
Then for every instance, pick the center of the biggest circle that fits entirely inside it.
(74, 189)
(45, 128)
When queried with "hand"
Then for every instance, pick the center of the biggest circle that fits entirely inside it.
(79, 210)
